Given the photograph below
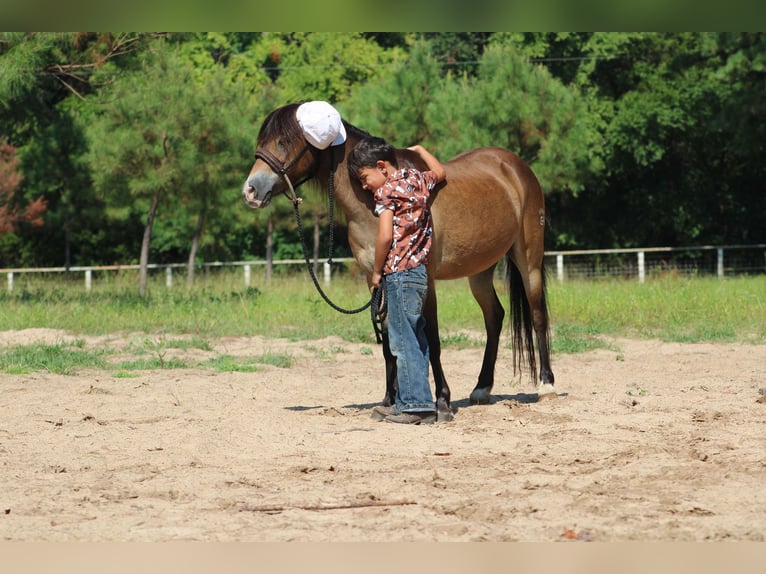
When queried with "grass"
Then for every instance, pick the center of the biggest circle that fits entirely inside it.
(584, 315)
(62, 359)
(667, 308)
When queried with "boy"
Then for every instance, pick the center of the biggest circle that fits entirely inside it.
(401, 253)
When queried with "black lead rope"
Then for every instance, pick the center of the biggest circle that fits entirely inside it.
(378, 311)
(377, 303)
(313, 275)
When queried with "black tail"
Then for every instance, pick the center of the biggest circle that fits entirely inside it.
(522, 327)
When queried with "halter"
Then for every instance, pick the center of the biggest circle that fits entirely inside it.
(281, 169)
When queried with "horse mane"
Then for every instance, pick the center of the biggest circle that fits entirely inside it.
(281, 123)
(353, 130)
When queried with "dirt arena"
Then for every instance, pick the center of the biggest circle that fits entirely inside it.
(646, 441)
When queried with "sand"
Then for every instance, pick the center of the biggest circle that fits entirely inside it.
(645, 441)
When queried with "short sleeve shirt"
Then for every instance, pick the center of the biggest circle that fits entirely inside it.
(406, 193)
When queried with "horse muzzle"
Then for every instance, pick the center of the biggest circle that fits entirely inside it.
(258, 190)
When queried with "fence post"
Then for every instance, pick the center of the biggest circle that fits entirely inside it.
(168, 277)
(641, 267)
(10, 282)
(327, 273)
(247, 275)
(560, 267)
(720, 262)
(88, 279)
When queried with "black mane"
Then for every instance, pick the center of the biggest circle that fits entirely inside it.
(281, 123)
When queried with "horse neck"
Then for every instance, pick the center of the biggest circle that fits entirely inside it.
(356, 203)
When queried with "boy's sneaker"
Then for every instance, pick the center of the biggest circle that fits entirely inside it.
(416, 418)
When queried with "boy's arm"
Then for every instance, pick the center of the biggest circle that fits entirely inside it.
(433, 164)
(382, 244)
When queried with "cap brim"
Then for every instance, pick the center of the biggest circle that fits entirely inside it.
(341, 136)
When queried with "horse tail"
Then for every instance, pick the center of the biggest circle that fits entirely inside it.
(522, 326)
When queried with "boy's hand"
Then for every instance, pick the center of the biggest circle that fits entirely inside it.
(433, 164)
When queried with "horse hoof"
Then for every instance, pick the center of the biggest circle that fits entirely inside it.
(479, 397)
(546, 392)
(444, 413)
(444, 416)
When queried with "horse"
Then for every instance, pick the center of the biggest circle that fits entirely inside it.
(489, 208)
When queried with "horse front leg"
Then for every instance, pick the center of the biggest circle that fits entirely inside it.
(391, 381)
(443, 409)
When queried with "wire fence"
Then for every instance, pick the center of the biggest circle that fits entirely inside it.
(640, 263)
(632, 264)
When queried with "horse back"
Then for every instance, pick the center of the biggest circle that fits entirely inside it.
(489, 201)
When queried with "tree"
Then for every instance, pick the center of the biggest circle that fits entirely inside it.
(520, 106)
(395, 106)
(327, 65)
(11, 213)
(682, 122)
(163, 130)
(43, 78)
(41, 69)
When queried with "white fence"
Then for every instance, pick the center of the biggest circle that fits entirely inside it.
(628, 263)
(719, 260)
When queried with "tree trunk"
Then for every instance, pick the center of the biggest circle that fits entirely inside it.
(195, 246)
(143, 264)
(146, 242)
(316, 242)
(269, 248)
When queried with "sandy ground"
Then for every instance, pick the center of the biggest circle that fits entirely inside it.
(647, 441)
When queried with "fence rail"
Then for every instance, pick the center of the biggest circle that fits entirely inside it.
(719, 260)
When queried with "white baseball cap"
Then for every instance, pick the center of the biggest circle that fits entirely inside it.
(321, 124)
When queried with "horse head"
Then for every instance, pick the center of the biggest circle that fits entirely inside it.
(288, 150)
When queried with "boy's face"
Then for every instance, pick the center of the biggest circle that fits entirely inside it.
(373, 178)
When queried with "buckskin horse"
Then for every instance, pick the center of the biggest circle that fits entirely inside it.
(490, 207)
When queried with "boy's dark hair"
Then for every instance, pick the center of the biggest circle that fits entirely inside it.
(367, 152)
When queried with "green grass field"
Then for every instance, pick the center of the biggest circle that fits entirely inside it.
(583, 313)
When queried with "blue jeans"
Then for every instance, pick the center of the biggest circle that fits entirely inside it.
(406, 292)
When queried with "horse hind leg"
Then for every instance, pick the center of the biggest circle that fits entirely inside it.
(541, 323)
(530, 313)
(483, 290)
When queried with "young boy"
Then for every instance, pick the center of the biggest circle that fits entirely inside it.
(401, 254)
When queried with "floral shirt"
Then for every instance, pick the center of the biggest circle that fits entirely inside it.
(406, 193)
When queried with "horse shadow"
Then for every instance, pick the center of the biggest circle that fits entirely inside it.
(521, 398)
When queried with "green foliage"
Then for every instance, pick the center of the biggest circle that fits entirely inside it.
(175, 130)
(522, 107)
(395, 107)
(639, 138)
(327, 65)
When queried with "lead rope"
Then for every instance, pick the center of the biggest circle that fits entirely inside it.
(311, 269)
(377, 303)
(378, 311)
